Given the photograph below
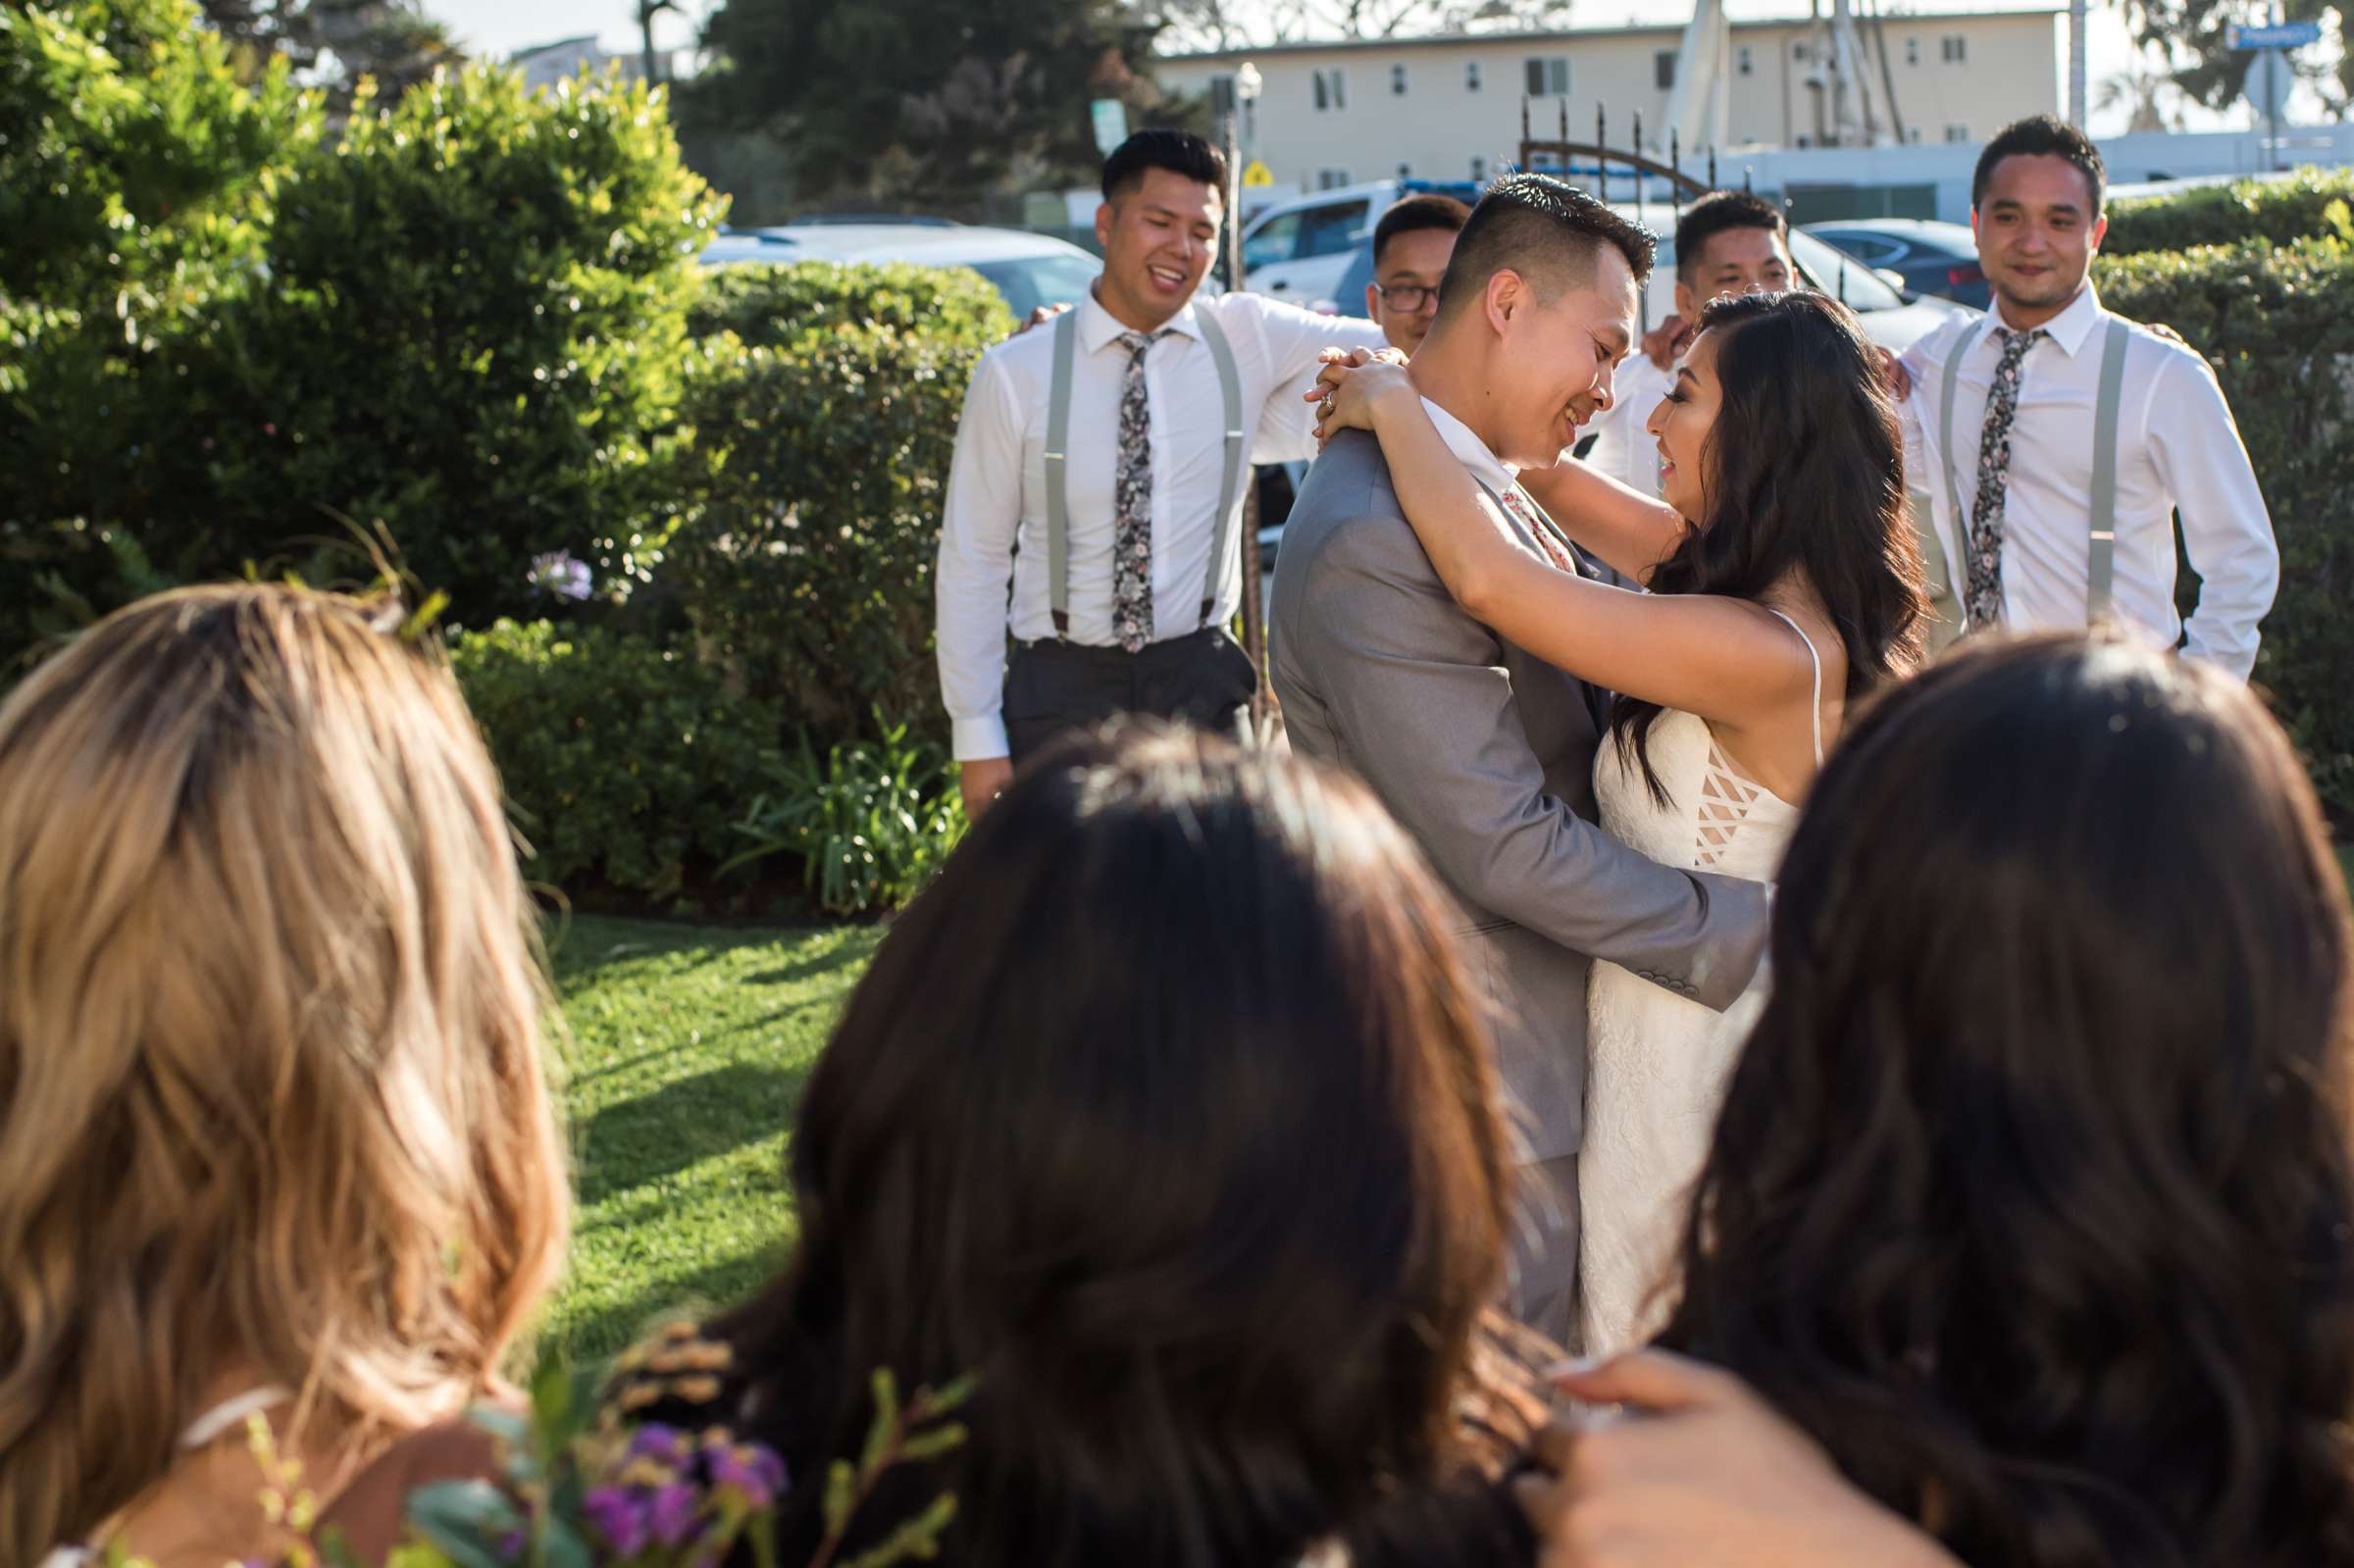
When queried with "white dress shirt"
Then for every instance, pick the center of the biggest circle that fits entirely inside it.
(1623, 449)
(2176, 447)
(997, 496)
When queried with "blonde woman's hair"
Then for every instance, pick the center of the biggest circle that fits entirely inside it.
(271, 1002)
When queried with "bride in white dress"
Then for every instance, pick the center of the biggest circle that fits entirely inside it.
(1784, 580)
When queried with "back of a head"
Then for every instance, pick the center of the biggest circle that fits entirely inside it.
(1549, 233)
(2031, 1196)
(1715, 213)
(1180, 152)
(2041, 136)
(270, 1002)
(1165, 1111)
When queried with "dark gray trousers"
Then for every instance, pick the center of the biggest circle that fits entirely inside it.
(1204, 680)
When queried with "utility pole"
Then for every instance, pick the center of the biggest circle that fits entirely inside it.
(2077, 16)
(645, 35)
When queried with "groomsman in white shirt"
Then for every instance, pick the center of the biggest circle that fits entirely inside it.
(1097, 487)
(1727, 242)
(2055, 441)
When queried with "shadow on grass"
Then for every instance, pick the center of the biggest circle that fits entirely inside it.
(849, 956)
(684, 1122)
(695, 1293)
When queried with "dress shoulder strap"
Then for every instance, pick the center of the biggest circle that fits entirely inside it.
(1815, 708)
(230, 1414)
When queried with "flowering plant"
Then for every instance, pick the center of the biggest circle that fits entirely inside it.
(584, 1484)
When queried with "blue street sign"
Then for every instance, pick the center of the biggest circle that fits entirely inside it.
(1110, 117)
(2278, 36)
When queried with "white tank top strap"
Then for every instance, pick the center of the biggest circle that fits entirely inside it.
(230, 1414)
(1815, 708)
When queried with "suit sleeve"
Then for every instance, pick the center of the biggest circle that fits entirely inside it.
(1386, 642)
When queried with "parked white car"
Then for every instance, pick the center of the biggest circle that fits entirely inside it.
(1028, 270)
(1298, 250)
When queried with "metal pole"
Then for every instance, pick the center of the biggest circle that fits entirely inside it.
(1601, 156)
(1675, 168)
(1255, 631)
(2077, 17)
(1638, 172)
(1712, 167)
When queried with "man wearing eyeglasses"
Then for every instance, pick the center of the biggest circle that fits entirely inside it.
(1412, 246)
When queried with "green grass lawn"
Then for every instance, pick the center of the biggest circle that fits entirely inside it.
(690, 1047)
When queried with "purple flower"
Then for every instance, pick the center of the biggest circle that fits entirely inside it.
(655, 1440)
(675, 1509)
(617, 1515)
(558, 574)
(754, 1473)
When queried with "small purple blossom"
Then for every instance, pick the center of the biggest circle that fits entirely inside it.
(754, 1473)
(673, 1512)
(618, 1515)
(655, 1440)
(560, 575)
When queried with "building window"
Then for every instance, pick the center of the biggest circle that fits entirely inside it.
(1957, 133)
(1332, 89)
(1743, 61)
(1662, 68)
(1406, 171)
(1470, 76)
(1805, 140)
(1332, 179)
(1955, 49)
(1398, 82)
(1912, 133)
(1479, 170)
(1799, 51)
(1912, 51)
(1549, 76)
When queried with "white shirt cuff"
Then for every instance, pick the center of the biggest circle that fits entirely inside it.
(980, 739)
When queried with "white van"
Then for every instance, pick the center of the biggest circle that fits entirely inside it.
(1298, 250)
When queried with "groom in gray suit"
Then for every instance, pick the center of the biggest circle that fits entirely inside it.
(1484, 752)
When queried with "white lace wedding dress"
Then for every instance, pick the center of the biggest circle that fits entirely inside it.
(1657, 1063)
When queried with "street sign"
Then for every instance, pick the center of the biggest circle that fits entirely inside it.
(1111, 123)
(1257, 174)
(2278, 36)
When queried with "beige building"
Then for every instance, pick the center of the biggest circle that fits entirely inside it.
(1449, 108)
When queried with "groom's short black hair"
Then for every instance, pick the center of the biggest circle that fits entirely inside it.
(1548, 231)
(1180, 152)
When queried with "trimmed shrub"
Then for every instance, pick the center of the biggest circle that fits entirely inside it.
(2274, 321)
(460, 327)
(770, 306)
(807, 571)
(2281, 210)
(627, 766)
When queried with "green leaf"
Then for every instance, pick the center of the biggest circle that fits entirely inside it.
(464, 1519)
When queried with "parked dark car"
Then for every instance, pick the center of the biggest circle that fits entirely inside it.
(1933, 258)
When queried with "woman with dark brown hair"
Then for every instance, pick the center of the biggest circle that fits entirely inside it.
(1166, 1114)
(2032, 1200)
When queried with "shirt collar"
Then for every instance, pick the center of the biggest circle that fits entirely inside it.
(1097, 326)
(2073, 325)
(1470, 450)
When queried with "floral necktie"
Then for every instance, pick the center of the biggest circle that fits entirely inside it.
(1985, 593)
(1132, 504)
(1553, 550)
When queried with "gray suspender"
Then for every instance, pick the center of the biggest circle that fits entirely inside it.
(2104, 470)
(1058, 464)
(2101, 568)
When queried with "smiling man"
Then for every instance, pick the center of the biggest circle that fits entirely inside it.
(1098, 477)
(2056, 442)
(1483, 751)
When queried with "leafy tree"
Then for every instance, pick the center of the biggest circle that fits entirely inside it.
(2216, 75)
(392, 41)
(932, 101)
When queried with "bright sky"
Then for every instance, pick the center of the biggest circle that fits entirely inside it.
(499, 27)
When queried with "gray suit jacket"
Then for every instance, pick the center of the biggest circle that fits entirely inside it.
(1486, 754)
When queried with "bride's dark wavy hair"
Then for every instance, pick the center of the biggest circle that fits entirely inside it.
(2031, 1197)
(1805, 474)
(1166, 1112)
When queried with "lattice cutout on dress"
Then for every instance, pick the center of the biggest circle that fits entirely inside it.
(1725, 801)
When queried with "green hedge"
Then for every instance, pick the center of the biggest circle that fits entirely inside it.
(627, 766)
(2281, 210)
(772, 304)
(2276, 322)
(807, 570)
(460, 327)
